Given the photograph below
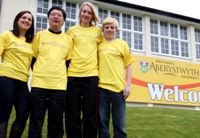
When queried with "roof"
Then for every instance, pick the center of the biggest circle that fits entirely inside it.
(150, 10)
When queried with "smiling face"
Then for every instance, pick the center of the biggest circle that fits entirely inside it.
(25, 22)
(86, 15)
(56, 20)
(109, 31)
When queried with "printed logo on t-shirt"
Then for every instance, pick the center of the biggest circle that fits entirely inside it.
(54, 44)
(22, 45)
(16, 44)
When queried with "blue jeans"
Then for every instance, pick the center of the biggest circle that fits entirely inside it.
(13, 92)
(115, 102)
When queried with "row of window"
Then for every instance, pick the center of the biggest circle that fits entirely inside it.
(166, 38)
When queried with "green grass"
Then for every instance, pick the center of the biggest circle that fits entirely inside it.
(150, 122)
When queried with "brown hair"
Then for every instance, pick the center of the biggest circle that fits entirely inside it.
(29, 33)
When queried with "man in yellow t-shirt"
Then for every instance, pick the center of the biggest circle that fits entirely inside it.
(51, 49)
(114, 61)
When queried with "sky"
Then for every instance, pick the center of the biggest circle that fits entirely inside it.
(188, 8)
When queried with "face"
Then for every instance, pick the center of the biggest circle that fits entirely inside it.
(25, 22)
(109, 31)
(56, 20)
(86, 15)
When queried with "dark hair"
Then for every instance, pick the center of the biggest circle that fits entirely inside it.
(29, 33)
(59, 9)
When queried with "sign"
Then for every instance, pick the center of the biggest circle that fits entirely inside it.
(161, 81)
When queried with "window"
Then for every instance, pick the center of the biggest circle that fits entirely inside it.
(116, 15)
(41, 19)
(197, 41)
(138, 41)
(174, 30)
(0, 5)
(43, 7)
(183, 33)
(164, 46)
(184, 49)
(130, 27)
(154, 26)
(154, 44)
(127, 37)
(137, 23)
(70, 10)
(198, 51)
(175, 47)
(169, 39)
(102, 15)
(57, 3)
(41, 23)
(72, 15)
(163, 29)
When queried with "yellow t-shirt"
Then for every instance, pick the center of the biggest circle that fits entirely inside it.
(16, 56)
(114, 57)
(84, 61)
(51, 51)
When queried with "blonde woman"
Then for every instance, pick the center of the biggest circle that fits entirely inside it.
(83, 75)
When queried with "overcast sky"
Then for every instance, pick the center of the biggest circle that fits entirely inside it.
(190, 8)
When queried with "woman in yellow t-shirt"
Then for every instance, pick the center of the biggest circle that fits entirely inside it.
(83, 75)
(16, 54)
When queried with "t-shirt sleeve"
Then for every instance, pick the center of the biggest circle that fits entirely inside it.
(100, 36)
(128, 58)
(35, 45)
(70, 45)
(69, 32)
(2, 43)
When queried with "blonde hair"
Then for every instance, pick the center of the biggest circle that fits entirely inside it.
(95, 17)
(110, 20)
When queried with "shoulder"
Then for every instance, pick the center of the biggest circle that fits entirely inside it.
(74, 27)
(121, 41)
(42, 32)
(68, 37)
(7, 33)
(96, 28)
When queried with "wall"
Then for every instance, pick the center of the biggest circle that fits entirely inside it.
(9, 10)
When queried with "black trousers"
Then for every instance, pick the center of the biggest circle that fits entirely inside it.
(40, 101)
(82, 102)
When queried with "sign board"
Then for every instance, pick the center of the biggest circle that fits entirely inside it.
(165, 81)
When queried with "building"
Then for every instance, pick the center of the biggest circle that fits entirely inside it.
(166, 47)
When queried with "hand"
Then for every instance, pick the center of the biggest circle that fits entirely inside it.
(126, 91)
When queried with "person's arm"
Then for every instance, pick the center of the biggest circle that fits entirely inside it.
(67, 63)
(127, 88)
(33, 62)
(35, 50)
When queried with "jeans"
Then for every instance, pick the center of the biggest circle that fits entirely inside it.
(115, 102)
(40, 101)
(13, 92)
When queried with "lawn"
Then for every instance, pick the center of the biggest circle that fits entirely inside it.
(151, 122)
